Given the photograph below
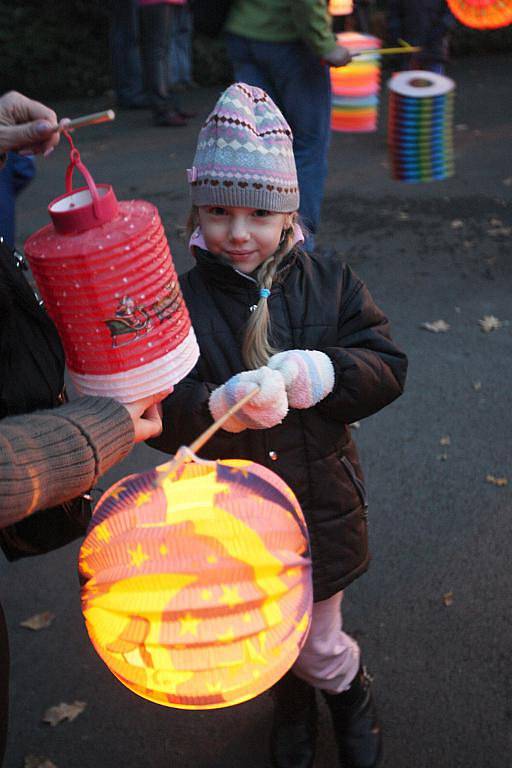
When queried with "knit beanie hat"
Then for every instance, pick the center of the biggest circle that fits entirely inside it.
(244, 154)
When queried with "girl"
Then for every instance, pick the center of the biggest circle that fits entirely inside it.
(305, 329)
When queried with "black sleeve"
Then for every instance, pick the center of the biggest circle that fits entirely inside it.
(370, 370)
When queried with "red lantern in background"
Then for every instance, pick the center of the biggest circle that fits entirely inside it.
(482, 14)
(341, 7)
(197, 588)
(106, 275)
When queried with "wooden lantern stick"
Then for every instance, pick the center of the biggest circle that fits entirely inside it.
(182, 456)
(388, 51)
(94, 119)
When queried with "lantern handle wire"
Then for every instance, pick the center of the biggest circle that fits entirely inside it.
(184, 453)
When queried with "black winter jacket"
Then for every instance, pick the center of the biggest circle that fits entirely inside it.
(315, 303)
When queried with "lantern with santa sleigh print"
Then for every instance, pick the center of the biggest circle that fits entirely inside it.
(196, 582)
(106, 275)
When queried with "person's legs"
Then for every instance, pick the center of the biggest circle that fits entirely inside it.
(125, 53)
(155, 28)
(4, 684)
(300, 85)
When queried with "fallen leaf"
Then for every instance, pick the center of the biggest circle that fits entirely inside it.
(35, 761)
(508, 181)
(458, 310)
(403, 216)
(445, 440)
(494, 222)
(437, 326)
(489, 323)
(477, 386)
(38, 621)
(442, 457)
(499, 481)
(63, 711)
(461, 127)
(355, 424)
(467, 243)
(448, 599)
(457, 224)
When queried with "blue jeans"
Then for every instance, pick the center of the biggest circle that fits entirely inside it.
(300, 84)
(17, 173)
(125, 53)
(180, 46)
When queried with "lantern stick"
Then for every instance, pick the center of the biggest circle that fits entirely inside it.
(93, 119)
(388, 51)
(184, 453)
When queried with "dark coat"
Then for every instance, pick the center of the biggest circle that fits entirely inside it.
(315, 303)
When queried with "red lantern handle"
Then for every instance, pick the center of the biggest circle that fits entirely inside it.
(76, 162)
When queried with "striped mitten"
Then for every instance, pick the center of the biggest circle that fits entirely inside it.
(266, 409)
(308, 375)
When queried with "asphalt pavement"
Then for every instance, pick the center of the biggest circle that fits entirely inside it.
(433, 614)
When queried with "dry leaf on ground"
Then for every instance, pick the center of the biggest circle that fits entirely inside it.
(63, 711)
(442, 457)
(489, 323)
(403, 216)
(499, 481)
(457, 224)
(477, 386)
(445, 440)
(507, 182)
(33, 761)
(448, 599)
(38, 621)
(498, 231)
(436, 326)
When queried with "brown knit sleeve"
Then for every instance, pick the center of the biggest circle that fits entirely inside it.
(49, 457)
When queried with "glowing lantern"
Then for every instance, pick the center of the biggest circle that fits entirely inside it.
(341, 7)
(482, 14)
(355, 87)
(106, 274)
(196, 582)
(420, 131)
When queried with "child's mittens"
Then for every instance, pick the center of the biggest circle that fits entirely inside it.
(266, 408)
(308, 375)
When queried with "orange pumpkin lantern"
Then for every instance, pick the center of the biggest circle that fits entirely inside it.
(482, 14)
(196, 582)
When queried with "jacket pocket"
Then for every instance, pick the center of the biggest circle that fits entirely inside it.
(358, 484)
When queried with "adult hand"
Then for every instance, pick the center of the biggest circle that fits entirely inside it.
(146, 416)
(338, 57)
(27, 125)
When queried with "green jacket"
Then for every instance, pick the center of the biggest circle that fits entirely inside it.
(279, 21)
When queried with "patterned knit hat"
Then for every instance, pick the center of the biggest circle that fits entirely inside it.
(244, 154)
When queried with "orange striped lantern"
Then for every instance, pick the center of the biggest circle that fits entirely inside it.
(482, 14)
(196, 582)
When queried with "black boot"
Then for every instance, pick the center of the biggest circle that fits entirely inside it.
(356, 726)
(293, 737)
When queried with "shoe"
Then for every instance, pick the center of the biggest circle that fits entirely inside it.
(169, 119)
(293, 736)
(356, 726)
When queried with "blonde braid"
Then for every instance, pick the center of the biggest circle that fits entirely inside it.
(256, 347)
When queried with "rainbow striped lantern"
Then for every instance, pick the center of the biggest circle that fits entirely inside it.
(341, 7)
(196, 582)
(106, 274)
(355, 88)
(420, 131)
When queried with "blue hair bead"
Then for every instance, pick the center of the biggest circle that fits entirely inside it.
(264, 293)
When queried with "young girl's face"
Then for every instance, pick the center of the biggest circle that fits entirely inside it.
(245, 236)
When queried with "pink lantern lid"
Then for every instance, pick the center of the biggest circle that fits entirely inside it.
(86, 207)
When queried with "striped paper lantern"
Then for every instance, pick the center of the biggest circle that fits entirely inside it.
(341, 7)
(106, 275)
(355, 87)
(420, 126)
(196, 583)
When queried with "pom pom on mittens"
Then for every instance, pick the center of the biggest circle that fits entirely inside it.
(308, 375)
(265, 409)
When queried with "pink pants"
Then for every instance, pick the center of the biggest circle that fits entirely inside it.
(329, 658)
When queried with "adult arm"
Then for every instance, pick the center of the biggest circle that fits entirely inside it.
(369, 368)
(49, 457)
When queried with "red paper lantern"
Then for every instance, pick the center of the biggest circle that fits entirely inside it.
(197, 588)
(106, 275)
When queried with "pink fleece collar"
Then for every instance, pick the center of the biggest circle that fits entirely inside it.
(197, 239)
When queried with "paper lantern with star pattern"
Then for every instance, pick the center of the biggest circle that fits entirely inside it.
(196, 582)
